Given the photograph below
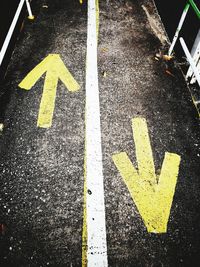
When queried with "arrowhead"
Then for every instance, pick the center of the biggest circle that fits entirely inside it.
(152, 197)
(55, 66)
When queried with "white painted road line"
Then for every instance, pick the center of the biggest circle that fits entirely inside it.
(95, 207)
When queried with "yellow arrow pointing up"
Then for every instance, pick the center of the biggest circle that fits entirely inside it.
(55, 69)
(153, 195)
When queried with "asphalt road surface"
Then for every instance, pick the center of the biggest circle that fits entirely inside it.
(104, 171)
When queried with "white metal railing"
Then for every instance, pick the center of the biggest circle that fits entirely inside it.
(13, 25)
(193, 66)
(193, 58)
(195, 53)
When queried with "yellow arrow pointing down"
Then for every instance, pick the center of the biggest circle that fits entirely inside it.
(152, 195)
(55, 69)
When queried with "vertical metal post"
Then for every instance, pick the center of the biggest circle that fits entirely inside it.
(10, 31)
(30, 14)
(183, 16)
(195, 8)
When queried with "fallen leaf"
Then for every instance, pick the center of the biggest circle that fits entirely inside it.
(167, 58)
(169, 73)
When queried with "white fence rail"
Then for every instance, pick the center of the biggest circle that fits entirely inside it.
(12, 27)
(193, 72)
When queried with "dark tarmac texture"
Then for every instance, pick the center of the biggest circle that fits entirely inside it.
(42, 170)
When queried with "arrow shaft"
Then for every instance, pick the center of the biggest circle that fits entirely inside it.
(47, 103)
(144, 153)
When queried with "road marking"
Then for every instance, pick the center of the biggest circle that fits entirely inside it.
(153, 195)
(97, 19)
(94, 225)
(55, 69)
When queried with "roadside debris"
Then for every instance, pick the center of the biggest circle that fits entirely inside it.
(166, 62)
(2, 229)
(104, 49)
(1, 127)
(167, 58)
(104, 74)
(169, 73)
(162, 56)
